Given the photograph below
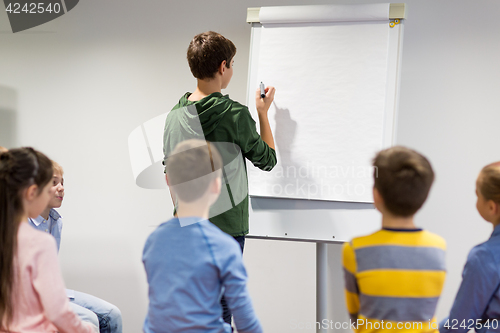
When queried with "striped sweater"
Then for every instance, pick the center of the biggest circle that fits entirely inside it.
(393, 280)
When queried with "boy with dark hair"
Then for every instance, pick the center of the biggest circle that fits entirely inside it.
(206, 114)
(394, 277)
(188, 260)
(206, 53)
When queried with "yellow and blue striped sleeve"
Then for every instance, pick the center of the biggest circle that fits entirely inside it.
(350, 284)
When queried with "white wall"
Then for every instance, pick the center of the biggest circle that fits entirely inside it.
(8, 112)
(450, 111)
(83, 82)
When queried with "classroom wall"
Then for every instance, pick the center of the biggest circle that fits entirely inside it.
(8, 106)
(77, 87)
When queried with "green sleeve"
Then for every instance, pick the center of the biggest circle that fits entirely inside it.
(251, 143)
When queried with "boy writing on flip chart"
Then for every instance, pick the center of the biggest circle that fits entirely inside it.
(206, 114)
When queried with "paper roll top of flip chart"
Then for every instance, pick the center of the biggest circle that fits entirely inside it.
(324, 13)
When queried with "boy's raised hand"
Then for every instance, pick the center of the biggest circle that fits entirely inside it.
(263, 104)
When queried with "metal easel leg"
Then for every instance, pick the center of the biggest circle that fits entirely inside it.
(321, 286)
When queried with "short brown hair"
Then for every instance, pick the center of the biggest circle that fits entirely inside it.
(191, 167)
(207, 51)
(403, 178)
(489, 182)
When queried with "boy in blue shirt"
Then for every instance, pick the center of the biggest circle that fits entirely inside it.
(89, 308)
(190, 262)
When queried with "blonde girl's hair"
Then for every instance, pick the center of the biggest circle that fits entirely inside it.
(489, 182)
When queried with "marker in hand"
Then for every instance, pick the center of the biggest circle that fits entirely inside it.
(262, 90)
(264, 97)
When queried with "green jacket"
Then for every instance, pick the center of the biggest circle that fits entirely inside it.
(229, 125)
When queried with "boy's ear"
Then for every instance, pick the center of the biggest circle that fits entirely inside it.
(216, 185)
(222, 67)
(494, 207)
(378, 202)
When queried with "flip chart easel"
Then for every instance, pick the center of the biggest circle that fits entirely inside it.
(322, 222)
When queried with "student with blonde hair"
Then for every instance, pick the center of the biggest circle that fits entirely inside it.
(189, 261)
(89, 308)
(477, 304)
(32, 297)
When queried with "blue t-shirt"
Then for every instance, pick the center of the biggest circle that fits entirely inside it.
(477, 304)
(53, 225)
(188, 268)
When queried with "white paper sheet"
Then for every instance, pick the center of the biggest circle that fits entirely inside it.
(328, 115)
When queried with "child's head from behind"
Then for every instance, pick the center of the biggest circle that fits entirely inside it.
(403, 179)
(488, 193)
(58, 186)
(25, 175)
(25, 191)
(206, 52)
(194, 170)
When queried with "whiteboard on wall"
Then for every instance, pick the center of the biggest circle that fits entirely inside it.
(336, 71)
(331, 145)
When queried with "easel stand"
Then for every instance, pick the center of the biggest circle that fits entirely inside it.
(321, 285)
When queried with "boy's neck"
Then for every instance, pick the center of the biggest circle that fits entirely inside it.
(496, 223)
(205, 88)
(191, 209)
(397, 222)
(45, 213)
